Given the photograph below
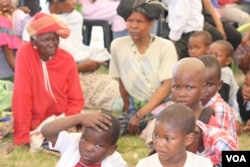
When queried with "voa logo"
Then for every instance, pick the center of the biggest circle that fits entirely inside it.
(236, 158)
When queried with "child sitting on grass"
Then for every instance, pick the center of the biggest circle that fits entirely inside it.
(173, 132)
(189, 85)
(94, 147)
(211, 98)
(243, 98)
(210, 141)
(223, 51)
(198, 43)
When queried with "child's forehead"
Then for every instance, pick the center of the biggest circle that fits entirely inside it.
(188, 71)
(167, 127)
(218, 46)
(87, 131)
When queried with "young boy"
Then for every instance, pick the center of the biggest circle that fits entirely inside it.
(223, 51)
(199, 43)
(173, 132)
(210, 141)
(94, 147)
(211, 98)
(188, 85)
(243, 98)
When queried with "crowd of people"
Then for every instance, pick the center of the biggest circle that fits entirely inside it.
(178, 92)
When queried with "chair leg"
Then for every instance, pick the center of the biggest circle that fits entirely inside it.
(87, 34)
(108, 36)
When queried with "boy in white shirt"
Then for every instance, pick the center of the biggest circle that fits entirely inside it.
(94, 147)
(173, 132)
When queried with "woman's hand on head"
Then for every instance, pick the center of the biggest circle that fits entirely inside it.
(97, 120)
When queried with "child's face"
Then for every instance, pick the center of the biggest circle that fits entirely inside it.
(244, 63)
(187, 87)
(94, 146)
(220, 53)
(197, 47)
(213, 84)
(169, 142)
(246, 88)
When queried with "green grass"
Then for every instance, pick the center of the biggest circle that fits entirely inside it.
(132, 149)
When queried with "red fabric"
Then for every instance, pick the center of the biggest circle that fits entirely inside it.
(214, 122)
(7, 36)
(215, 141)
(223, 114)
(43, 23)
(224, 2)
(32, 103)
(81, 164)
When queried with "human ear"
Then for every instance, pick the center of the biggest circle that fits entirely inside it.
(112, 149)
(228, 60)
(189, 139)
(220, 84)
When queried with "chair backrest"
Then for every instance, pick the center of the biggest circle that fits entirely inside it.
(243, 28)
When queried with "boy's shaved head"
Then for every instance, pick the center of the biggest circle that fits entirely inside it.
(179, 116)
(190, 65)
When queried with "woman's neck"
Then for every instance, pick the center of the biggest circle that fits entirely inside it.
(143, 44)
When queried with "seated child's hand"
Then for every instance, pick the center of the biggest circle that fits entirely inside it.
(238, 127)
(247, 126)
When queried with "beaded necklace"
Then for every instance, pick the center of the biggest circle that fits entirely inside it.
(139, 60)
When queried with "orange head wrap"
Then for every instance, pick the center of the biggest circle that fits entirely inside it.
(44, 23)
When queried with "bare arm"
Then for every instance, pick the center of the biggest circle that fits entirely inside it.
(10, 56)
(125, 96)
(89, 65)
(236, 1)
(159, 95)
(97, 120)
(209, 7)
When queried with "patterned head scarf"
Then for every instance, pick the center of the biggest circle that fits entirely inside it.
(44, 23)
(151, 8)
